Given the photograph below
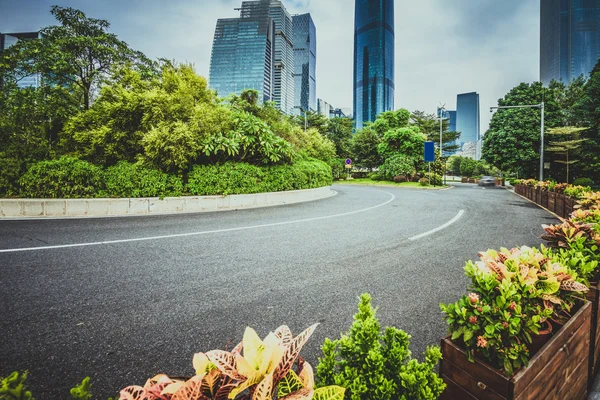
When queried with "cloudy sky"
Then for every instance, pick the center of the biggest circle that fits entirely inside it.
(443, 47)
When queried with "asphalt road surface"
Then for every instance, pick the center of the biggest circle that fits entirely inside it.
(122, 299)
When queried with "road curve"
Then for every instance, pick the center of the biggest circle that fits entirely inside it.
(122, 299)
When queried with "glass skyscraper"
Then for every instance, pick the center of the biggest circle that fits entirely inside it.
(9, 39)
(468, 118)
(283, 71)
(242, 53)
(305, 61)
(373, 59)
(569, 38)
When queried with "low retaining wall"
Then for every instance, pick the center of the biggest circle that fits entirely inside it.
(557, 203)
(14, 208)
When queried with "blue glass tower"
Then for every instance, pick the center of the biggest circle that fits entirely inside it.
(305, 62)
(468, 118)
(242, 53)
(569, 38)
(373, 59)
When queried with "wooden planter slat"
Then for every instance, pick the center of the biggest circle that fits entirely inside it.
(544, 195)
(560, 205)
(593, 295)
(558, 371)
(552, 201)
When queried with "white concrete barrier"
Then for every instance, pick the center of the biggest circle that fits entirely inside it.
(32, 208)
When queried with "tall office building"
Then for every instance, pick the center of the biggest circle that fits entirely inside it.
(468, 118)
(373, 59)
(305, 59)
(9, 39)
(569, 38)
(283, 62)
(242, 52)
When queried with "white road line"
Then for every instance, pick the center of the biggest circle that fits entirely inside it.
(180, 235)
(439, 228)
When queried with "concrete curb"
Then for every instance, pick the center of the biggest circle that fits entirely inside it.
(76, 208)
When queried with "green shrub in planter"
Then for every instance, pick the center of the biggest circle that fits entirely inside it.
(134, 180)
(377, 365)
(66, 177)
(583, 182)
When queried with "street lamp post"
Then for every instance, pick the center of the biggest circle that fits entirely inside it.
(541, 106)
(305, 120)
(441, 112)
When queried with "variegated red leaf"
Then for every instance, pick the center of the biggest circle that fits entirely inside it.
(292, 353)
(307, 376)
(264, 390)
(284, 334)
(191, 390)
(573, 286)
(224, 390)
(225, 362)
(133, 393)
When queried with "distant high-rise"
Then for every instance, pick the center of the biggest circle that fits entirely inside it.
(468, 118)
(242, 53)
(283, 61)
(9, 39)
(569, 38)
(305, 59)
(373, 59)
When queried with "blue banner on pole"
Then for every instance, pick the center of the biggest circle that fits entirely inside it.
(429, 152)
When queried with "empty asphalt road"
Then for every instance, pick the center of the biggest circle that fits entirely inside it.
(122, 299)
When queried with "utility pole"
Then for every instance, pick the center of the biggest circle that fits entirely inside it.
(542, 107)
(441, 112)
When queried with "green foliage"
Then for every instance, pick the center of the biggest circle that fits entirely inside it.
(429, 125)
(13, 387)
(242, 178)
(583, 182)
(390, 120)
(513, 141)
(377, 365)
(135, 180)
(408, 141)
(467, 167)
(339, 131)
(364, 148)
(397, 164)
(83, 391)
(424, 182)
(435, 179)
(66, 177)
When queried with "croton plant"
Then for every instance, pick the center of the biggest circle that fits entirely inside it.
(512, 293)
(254, 370)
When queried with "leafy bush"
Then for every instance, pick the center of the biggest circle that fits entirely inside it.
(377, 365)
(135, 180)
(375, 176)
(241, 178)
(577, 192)
(13, 388)
(583, 182)
(66, 177)
(424, 182)
(435, 179)
(397, 164)
(255, 368)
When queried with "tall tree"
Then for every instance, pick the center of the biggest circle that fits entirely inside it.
(364, 148)
(512, 143)
(80, 52)
(339, 131)
(565, 141)
(429, 125)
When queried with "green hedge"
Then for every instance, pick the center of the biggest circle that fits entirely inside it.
(66, 178)
(241, 178)
(134, 180)
(69, 177)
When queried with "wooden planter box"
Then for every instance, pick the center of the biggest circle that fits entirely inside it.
(552, 201)
(558, 371)
(560, 205)
(544, 198)
(472, 180)
(593, 295)
(464, 180)
(569, 206)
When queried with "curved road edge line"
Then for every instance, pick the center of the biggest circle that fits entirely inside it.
(439, 228)
(180, 235)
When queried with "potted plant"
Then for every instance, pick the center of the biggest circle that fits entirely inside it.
(493, 330)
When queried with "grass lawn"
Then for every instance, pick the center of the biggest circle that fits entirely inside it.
(366, 181)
